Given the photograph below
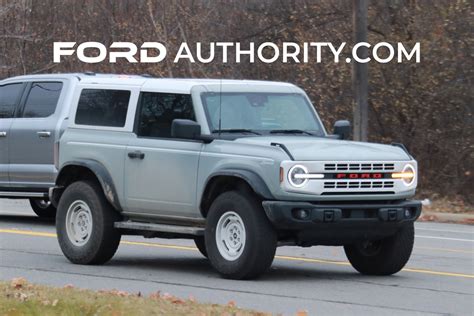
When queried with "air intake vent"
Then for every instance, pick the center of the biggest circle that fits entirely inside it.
(359, 167)
(358, 184)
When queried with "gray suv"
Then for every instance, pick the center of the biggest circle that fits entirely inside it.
(239, 166)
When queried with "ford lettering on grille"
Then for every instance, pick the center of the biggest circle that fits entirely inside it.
(359, 175)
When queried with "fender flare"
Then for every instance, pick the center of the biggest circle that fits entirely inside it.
(255, 182)
(101, 173)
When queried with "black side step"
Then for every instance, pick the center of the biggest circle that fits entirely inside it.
(162, 228)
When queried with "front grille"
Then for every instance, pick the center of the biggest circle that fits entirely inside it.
(358, 184)
(359, 167)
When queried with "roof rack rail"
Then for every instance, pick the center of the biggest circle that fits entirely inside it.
(89, 73)
(147, 76)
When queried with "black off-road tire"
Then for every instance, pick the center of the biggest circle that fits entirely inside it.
(201, 245)
(104, 238)
(387, 256)
(43, 208)
(260, 243)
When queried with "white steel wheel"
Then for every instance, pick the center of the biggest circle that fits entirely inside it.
(79, 223)
(230, 236)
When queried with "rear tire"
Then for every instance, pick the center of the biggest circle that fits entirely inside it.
(240, 240)
(201, 245)
(85, 224)
(43, 208)
(383, 257)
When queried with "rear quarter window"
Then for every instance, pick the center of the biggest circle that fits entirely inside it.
(103, 107)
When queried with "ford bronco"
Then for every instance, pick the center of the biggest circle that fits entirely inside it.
(239, 166)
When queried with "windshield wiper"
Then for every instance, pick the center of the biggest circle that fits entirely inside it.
(290, 131)
(235, 130)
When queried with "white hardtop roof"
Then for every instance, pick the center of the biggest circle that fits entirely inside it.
(183, 85)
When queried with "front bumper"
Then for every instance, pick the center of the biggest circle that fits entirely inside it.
(340, 223)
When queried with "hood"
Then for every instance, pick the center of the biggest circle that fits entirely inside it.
(325, 149)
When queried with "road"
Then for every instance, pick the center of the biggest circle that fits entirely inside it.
(438, 280)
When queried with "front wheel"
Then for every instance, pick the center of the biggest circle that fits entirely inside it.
(85, 224)
(382, 257)
(43, 208)
(240, 240)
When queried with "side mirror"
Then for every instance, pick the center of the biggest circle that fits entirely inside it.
(342, 129)
(185, 129)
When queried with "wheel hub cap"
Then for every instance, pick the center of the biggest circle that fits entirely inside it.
(230, 236)
(79, 223)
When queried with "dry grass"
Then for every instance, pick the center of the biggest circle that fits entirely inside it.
(19, 297)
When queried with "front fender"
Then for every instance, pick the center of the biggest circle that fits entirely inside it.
(252, 178)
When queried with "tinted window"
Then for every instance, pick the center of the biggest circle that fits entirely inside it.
(42, 99)
(9, 95)
(103, 107)
(158, 110)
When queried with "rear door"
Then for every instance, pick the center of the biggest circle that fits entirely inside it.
(9, 98)
(32, 136)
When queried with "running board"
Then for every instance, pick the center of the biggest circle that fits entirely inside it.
(14, 194)
(162, 228)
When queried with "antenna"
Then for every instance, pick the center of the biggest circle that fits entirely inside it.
(220, 106)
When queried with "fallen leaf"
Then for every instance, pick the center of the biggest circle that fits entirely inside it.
(156, 295)
(301, 313)
(55, 302)
(18, 283)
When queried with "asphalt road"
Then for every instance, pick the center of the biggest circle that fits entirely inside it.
(439, 278)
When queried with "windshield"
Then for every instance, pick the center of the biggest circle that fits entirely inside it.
(261, 113)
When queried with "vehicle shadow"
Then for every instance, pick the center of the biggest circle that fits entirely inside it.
(197, 267)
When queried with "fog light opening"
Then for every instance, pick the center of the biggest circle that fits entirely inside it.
(301, 214)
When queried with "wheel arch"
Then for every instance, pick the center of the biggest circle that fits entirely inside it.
(85, 170)
(231, 179)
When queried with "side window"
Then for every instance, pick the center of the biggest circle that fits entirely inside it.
(42, 99)
(9, 95)
(103, 107)
(158, 110)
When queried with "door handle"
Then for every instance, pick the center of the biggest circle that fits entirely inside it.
(43, 134)
(3, 134)
(136, 155)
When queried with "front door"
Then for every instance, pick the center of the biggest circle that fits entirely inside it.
(9, 98)
(32, 137)
(160, 171)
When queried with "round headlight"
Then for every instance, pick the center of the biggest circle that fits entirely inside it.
(295, 176)
(410, 175)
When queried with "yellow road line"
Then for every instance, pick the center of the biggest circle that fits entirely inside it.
(289, 258)
(26, 232)
(460, 275)
(149, 244)
(446, 249)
